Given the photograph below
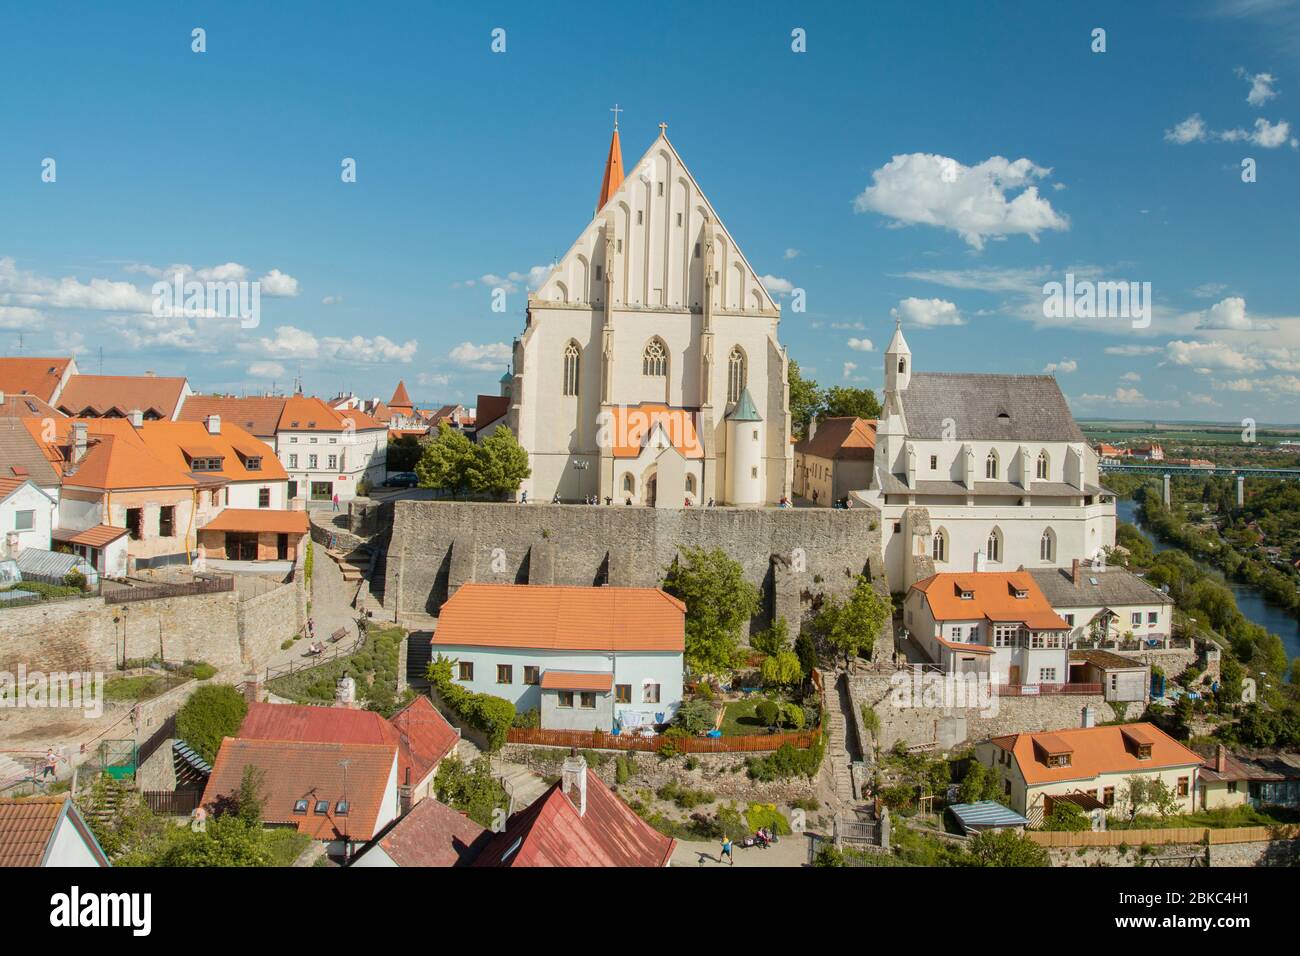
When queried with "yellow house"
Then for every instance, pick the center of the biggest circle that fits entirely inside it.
(1090, 766)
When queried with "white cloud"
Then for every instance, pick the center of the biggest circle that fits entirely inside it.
(1133, 350)
(986, 280)
(268, 370)
(331, 300)
(278, 285)
(861, 345)
(1205, 356)
(1121, 396)
(792, 254)
(1130, 377)
(1230, 314)
(1261, 86)
(482, 357)
(511, 281)
(1190, 130)
(1208, 290)
(362, 350)
(1265, 135)
(433, 380)
(845, 326)
(17, 318)
(290, 343)
(927, 312)
(848, 370)
(1065, 367)
(928, 189)
(775, 285)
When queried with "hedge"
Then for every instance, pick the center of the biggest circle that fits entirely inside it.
(490, 714)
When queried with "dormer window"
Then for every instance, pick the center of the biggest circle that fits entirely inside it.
(1139, 741)
(968, 595)
(1021, 594)
(1058, 760)
(253, 464)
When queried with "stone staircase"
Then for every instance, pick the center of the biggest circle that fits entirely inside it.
(12, 772)
(522, 784)
(419, 654)
(839, 756)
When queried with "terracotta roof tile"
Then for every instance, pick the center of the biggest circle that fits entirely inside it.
(490, 408)
(309, 414)
(1094, 751)
(577, 680)
(295, 770)
(259, 519)
(122, 394)
(562, 618)
(27, 826)
(35, 376)
(841, 439)
(433, 834)
(258, 415)
(630, 427)
(400, 399)
(993, 599)
(96, 537)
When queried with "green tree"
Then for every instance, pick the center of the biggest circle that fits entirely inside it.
(249, 800)
(471, 789)
(840, 401)
(402, 453)
(213, 711)
(805, 400)
(851, 627)
(980, 783)
(719, 604)
(226, 840)
(499, 464)
(773, 640)
(1004, 848)
(446, 461)
(1068, 817)
(781, 669)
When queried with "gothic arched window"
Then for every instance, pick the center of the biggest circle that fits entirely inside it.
(572, 357)
(993, 547)
(991, 465)
(1042, 464)
(654, 360)
(735, 374)
(939, 551)
(1047, 546)
(629, 484)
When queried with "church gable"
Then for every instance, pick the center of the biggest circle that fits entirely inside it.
(654, 236)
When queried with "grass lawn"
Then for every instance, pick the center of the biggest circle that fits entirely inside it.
(285, 845)
(740, 718)
(142, 687)
(1245, 816)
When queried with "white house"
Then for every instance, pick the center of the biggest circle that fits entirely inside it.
(45, 832)
(993, 624)
(1103, 603)
(599, 658)
(27, 516)
(329, 452)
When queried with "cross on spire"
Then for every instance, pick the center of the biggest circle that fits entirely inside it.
(615, 110)
(663, 129)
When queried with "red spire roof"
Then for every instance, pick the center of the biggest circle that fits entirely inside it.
(400, 399)
(613, 172)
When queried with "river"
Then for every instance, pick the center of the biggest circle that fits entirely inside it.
(1250, 602)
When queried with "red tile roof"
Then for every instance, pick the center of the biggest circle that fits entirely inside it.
(122, 394)
(577, 680)
(309, 414)
(421, 734)
(9, 485)
(27, 406)
(400, 399)
(993, 599)
(490, 408)
(551, 833)
(28, 825)
(35, 376)
(295, 770)
(259, 415)
(432, 834)
(96, 537)
(562, 618)
(841, 439)
(259, 519)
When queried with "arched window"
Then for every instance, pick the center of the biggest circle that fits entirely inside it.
(1047, 546)
(629, 484)
(991, 465)
(939, 550)
(902, 366)
(1042, 464)
(690, 484)
(735, 374)
(572, 356)
(993, 548)
(654, 360)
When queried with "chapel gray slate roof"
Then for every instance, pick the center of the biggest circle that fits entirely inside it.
(1034, 407)
(1115, 587)
(892, 484)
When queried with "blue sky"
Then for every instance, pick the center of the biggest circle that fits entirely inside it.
(474, 166)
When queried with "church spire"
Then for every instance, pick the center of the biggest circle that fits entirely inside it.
(613, 166)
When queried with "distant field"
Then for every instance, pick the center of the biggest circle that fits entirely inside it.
(1202, 435)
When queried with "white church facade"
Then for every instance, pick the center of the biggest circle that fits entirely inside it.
(650, 371)
(981, 472)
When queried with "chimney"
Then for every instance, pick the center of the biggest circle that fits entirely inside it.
(2, 398)
(252, 688)
(574, 780)
(137, 418)
(979, 561)
(214, 424)
(1076, 572)
(1221, 759)
(79, 441)
(812, 428)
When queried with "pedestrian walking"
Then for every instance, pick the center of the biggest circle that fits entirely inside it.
(336, 501)
(726, 851)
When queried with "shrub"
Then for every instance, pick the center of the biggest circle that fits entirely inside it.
(203, 670)
(761, 815)
(788, 761)
(75, 579)
(527, 719)
(768, 711)
(492, 715)
(1067, 817)
(212, 712)
(792, 716)
(624, 769)
(696, 716)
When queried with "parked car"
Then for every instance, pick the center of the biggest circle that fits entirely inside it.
(402, 479)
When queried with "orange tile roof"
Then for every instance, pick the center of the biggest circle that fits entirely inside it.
(577, 680)
(116, 458)
(9, 485)
(122, 394)
(26, 406)
(613, 177)
(841, 439)
(994, 599)
(1094, 751)
(178, 443)
(296, 770)
(560, 617)
(309, 414)
(630, 426)
(361, 420)
(28, 825)
(551, 832)
(259, 519)
(96, 537)
(34, 376)
(258, 415)
(400, 399)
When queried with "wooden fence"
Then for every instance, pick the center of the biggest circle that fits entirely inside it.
(1046, 690)
(1155, 836)
(154, 592)
(174, 803)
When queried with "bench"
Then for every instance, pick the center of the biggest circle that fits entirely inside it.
(338, 635)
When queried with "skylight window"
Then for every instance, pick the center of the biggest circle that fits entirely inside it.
(300, 806)
(322, 806)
